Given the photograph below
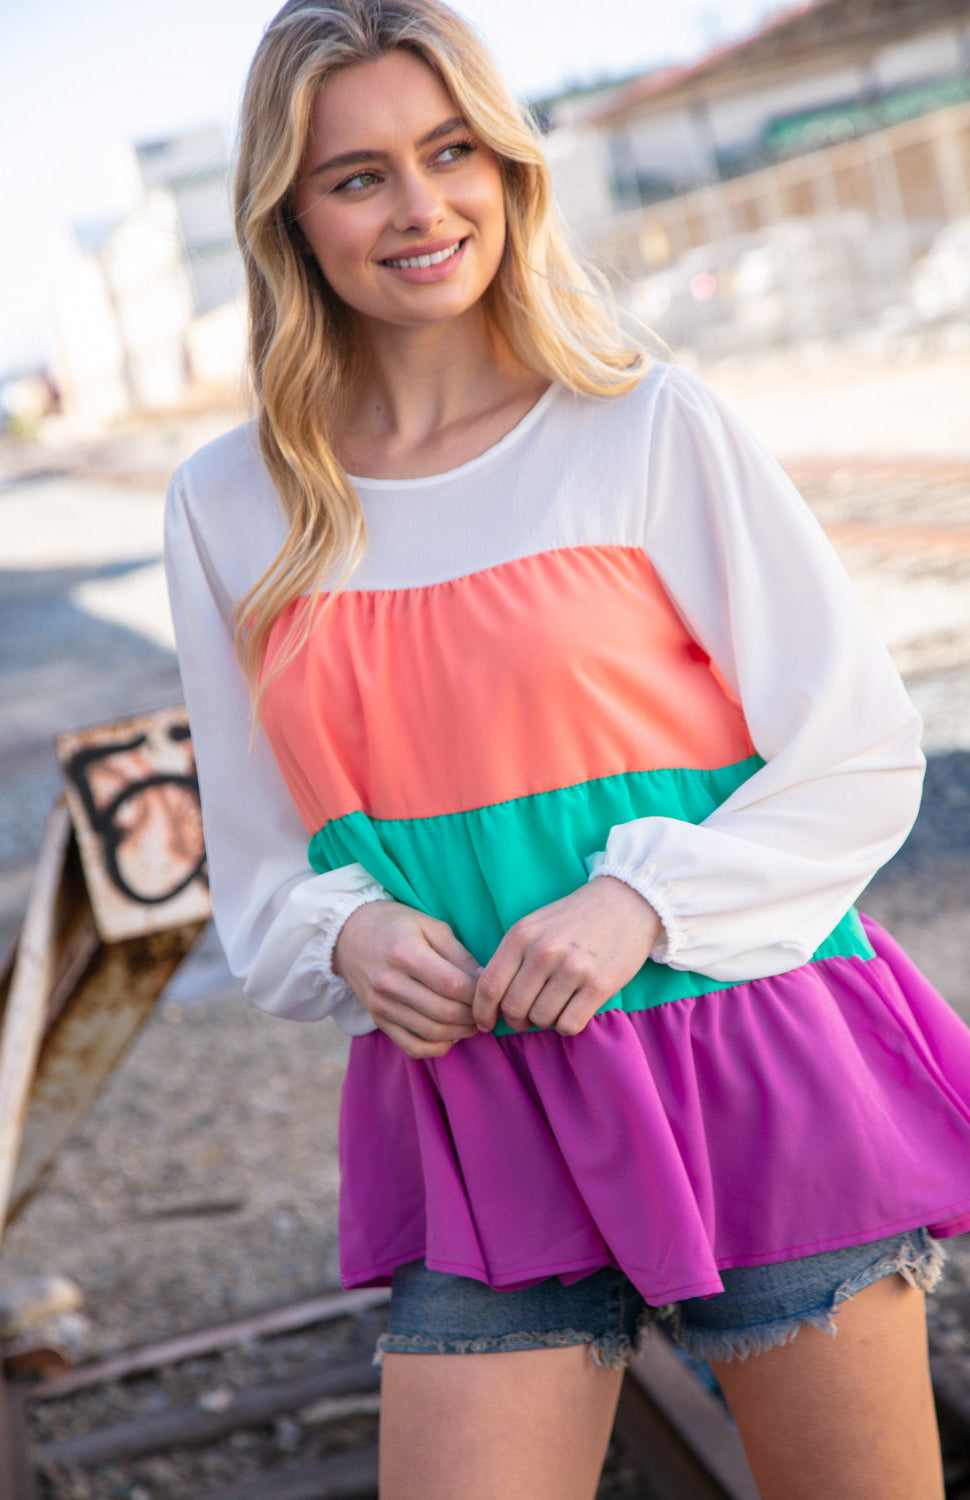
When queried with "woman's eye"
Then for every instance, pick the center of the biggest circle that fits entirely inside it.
(359, 181)
(457, 151)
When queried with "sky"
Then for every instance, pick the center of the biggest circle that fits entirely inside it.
(81, 79)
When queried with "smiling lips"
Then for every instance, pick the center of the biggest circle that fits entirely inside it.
(421, 262)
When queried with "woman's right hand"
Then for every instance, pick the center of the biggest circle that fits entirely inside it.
(411, 974)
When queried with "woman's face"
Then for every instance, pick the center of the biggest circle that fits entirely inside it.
(402, 207)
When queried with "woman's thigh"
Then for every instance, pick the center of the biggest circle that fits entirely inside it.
(532, 1424)
(850, 1415)
(512, 1393)
(493, 1394)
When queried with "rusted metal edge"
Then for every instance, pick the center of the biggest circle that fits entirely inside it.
(677, 1433)
(110, 1003)
(193, 1427)
(201, 1341)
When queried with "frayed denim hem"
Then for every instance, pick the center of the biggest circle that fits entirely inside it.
(610, 1351)
(922, 1269)
(721, 1346)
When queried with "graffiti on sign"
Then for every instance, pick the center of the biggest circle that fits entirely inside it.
(134, 798)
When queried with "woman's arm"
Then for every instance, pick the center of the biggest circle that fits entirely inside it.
(278, 922)
(756, 887)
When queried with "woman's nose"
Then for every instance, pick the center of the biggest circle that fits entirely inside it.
(419, 204)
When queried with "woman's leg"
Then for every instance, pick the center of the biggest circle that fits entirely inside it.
(529, 1425)
(849, 1417)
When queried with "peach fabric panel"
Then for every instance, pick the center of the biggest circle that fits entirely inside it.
(539, 673)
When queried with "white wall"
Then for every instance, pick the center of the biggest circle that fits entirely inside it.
(143, 261)
(935, 56)
(88, 357)
(176, 158)
(121, 316)
(669, 145)
(580, 176)
(204, 211)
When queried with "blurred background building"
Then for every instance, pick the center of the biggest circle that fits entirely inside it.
(808, 181)
(809, 178)
(147, 311)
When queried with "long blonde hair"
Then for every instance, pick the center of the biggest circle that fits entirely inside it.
(547, 307)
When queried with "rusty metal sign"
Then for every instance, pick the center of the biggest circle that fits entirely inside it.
(134, 799)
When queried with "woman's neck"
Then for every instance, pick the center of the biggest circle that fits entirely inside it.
(433, 398)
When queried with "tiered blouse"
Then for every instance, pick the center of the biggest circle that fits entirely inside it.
(616, 643)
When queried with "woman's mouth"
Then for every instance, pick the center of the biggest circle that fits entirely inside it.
(423, 262)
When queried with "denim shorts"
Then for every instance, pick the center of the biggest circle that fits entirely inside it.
(761, 1307)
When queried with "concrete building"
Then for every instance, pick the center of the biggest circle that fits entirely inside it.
(122, 306)
(814, 75)
(797, 175)
(147, 310)
(194, 168)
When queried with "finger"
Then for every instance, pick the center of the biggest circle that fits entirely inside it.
(412, 956)
(527, 984)
(551, 1001)
(445, 943)
(578, 1012)
(494, 980)
(420, 1028)
(441, 979)
(414, 1046)
(421, 1011)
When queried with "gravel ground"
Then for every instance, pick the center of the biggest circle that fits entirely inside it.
(203, 1183)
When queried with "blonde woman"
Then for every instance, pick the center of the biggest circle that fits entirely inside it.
(572, 751)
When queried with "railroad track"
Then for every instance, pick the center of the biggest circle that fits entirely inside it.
(310, 1432)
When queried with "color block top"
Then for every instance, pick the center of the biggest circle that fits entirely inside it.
(614, 643)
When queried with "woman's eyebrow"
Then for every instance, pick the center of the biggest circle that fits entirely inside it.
(355, 158)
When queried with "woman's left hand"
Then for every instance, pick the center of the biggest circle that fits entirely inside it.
(557, 966)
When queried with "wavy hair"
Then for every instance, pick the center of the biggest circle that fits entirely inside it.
(551, 311)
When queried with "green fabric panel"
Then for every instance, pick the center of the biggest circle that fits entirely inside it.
(480, 871)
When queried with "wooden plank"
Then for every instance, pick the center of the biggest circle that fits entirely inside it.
(75, 936)
(342, 1476)
(6, 965)
(31, 982)
(192, 1426)
(108, 1007)
(341, 1409)
(16, 1470)
(677, 1433)
(202, 1341)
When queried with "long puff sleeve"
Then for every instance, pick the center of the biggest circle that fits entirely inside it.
(755, 888)
(277, 921)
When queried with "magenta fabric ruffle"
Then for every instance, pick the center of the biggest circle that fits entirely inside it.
(819, 1108)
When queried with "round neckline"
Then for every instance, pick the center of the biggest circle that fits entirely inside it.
(512, 436)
